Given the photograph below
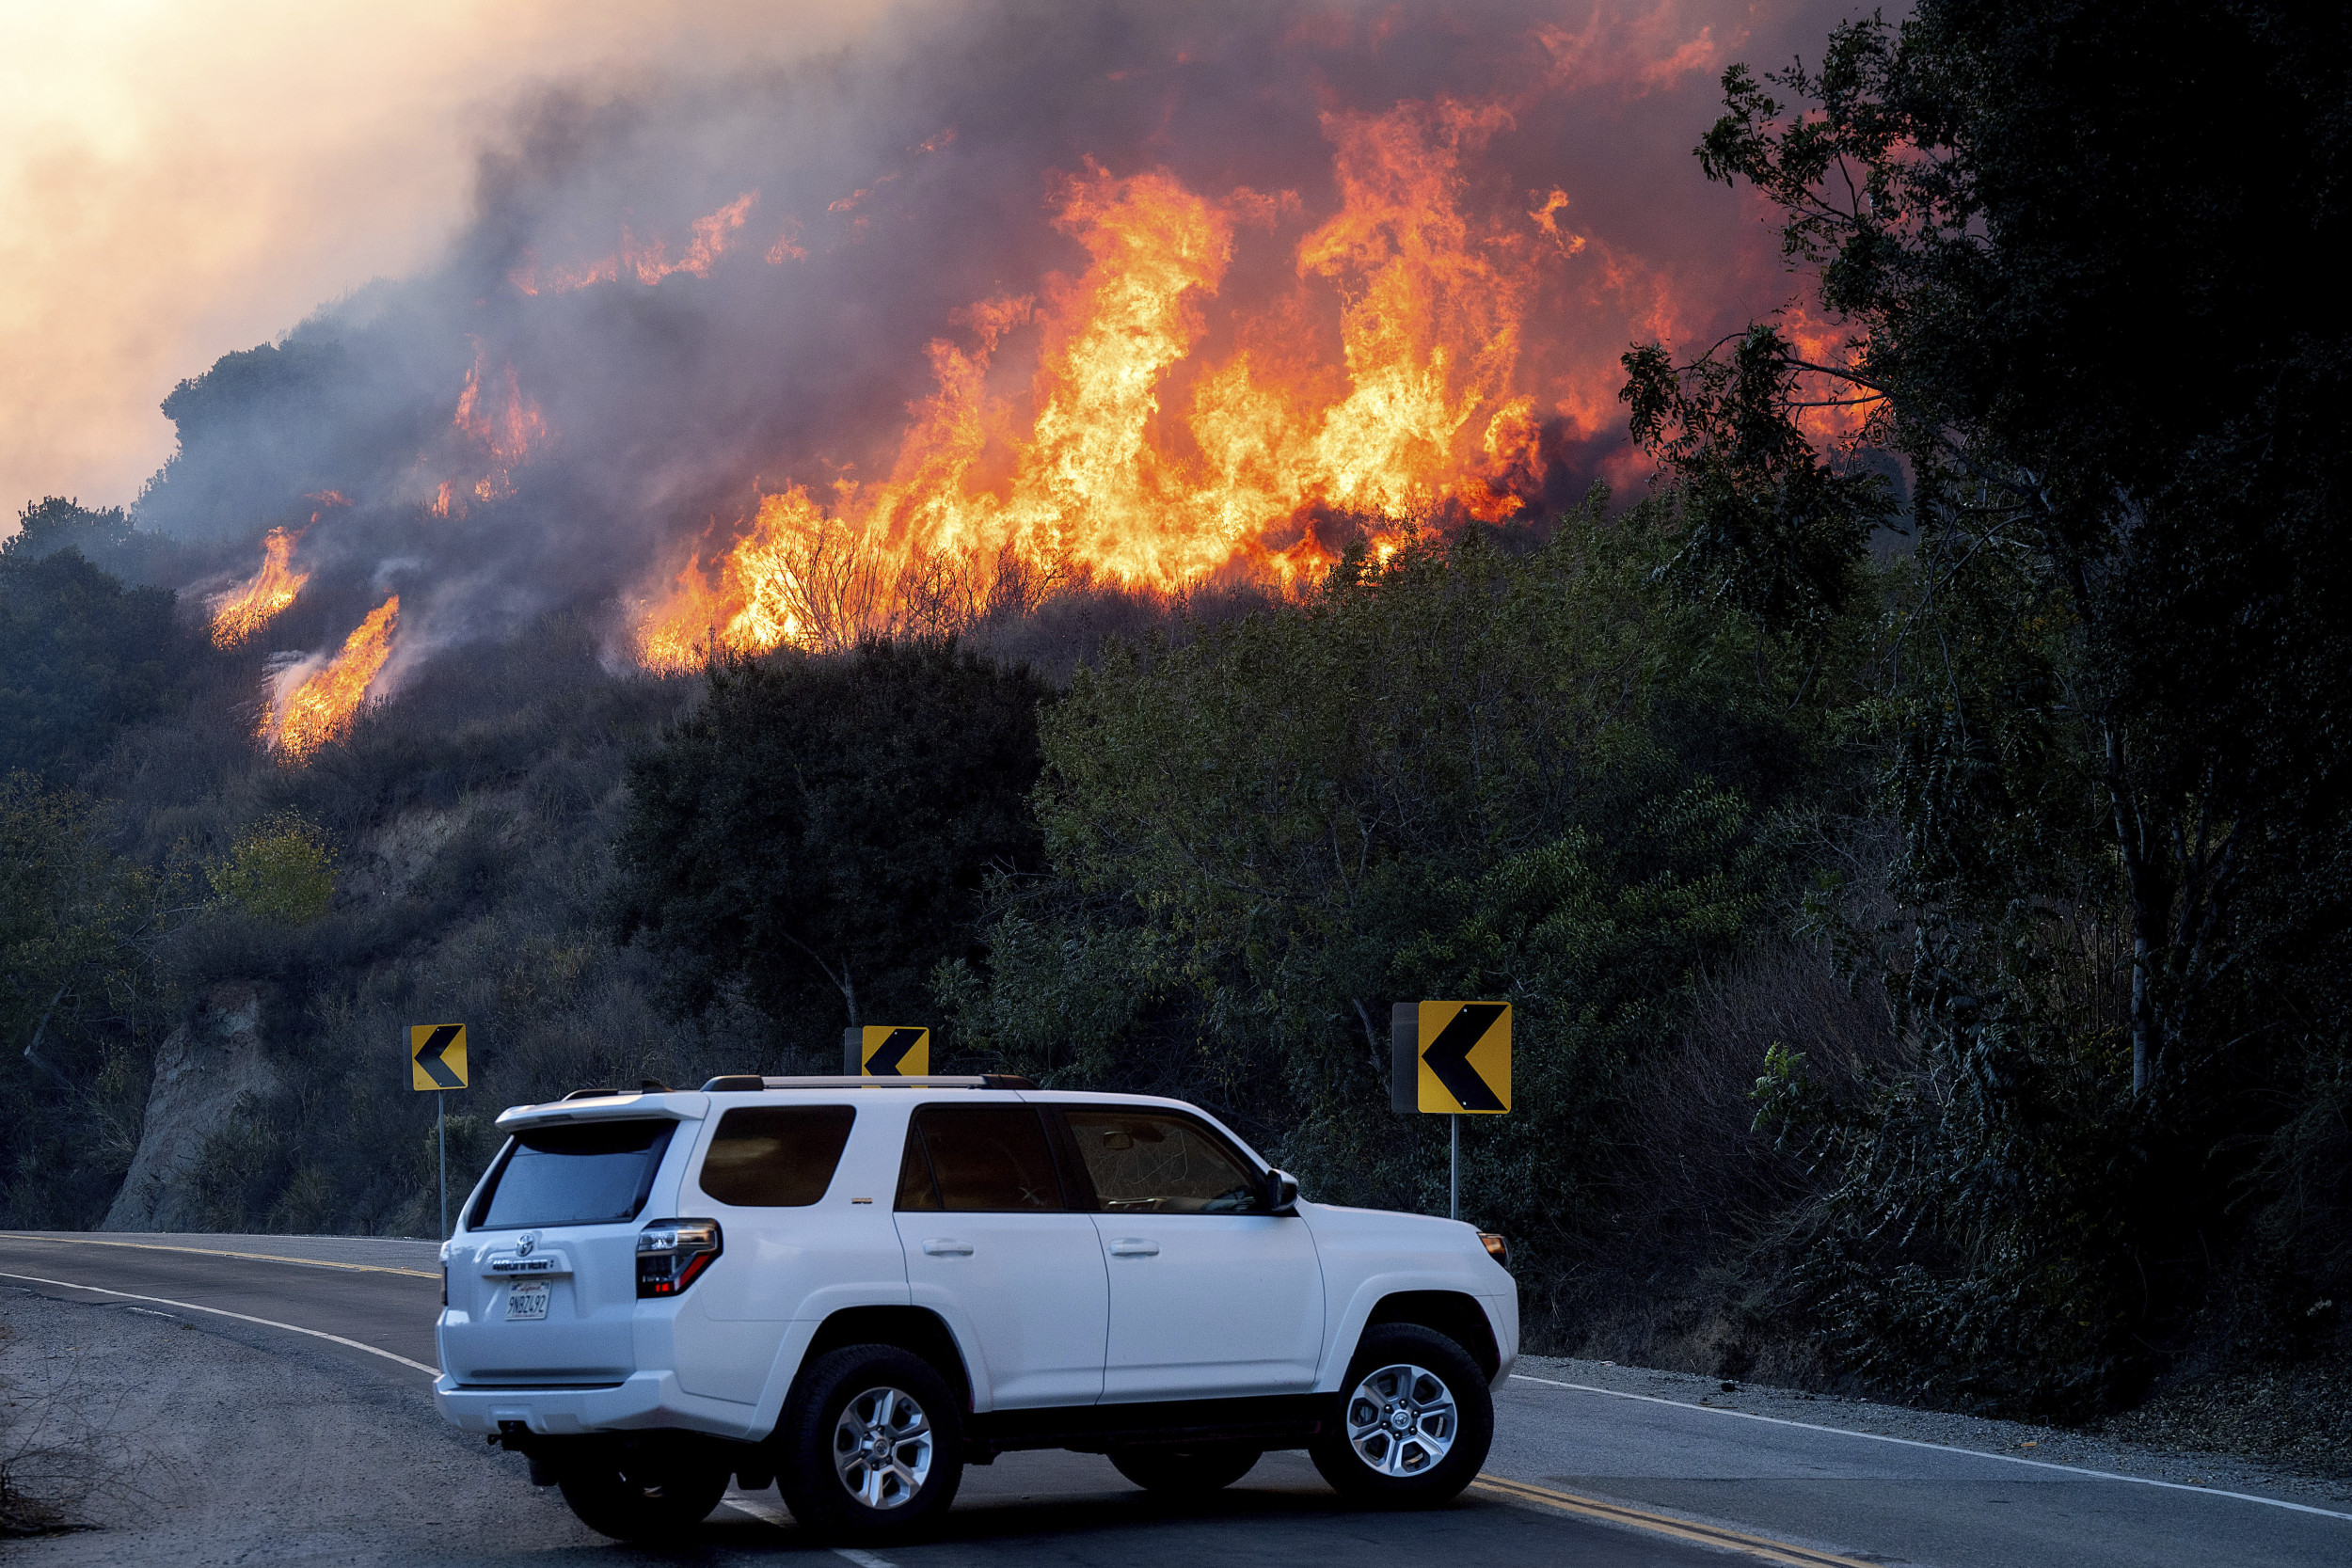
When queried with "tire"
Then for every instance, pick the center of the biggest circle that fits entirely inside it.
(1201, 1467)
(871, 1447)
(1447, 1420)
(643, 1490)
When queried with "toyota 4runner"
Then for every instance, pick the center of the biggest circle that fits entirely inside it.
(852, 1289)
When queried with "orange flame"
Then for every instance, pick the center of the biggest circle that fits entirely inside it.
(1420, 413)
(239, 612)
(645, 260)
(502, 424)
(321, 705)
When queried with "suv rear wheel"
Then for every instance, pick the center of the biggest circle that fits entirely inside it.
(871, 1448)
(1201, 1468)
(1415, 1423)
(640, 1491)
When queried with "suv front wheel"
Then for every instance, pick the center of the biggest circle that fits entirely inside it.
(871, 1448)
(1414, 1422)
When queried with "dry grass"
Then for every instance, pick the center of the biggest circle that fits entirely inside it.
(1706, 1214)
(65, 1438)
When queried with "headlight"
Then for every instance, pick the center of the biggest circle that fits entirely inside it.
(1497, 1248)
(673, 1253)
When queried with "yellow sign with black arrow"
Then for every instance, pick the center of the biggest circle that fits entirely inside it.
(886, 1050)
(1452, 1058)
(436, 1056)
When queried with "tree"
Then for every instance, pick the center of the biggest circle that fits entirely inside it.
(80, 655)
(829, 818)
(103, 536)
(78, 988)
(2067, 249)
(1468, 772)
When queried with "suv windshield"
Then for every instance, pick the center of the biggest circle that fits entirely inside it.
(597, 1173)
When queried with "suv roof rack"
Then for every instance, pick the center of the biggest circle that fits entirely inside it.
(744, 1082)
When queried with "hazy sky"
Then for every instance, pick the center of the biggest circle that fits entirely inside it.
(182, 177)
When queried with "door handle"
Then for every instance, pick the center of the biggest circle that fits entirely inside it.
(940, 1247)
(1134, 1246)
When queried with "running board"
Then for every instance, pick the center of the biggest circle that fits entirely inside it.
(1275, 1422)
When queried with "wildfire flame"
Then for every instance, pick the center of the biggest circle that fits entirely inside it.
(239, 612)
(1420, 415)
(319, 705)
(501, 424)
(646, 260)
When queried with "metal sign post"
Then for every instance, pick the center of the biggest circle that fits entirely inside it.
(1453, 1204)
(436, 1064)
(1451, 1059)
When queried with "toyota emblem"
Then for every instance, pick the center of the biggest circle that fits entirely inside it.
(530, 1240)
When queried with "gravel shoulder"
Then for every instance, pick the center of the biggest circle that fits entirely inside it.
(2061, 1446)
(179, 1441)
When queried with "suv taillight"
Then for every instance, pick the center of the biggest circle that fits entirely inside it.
(672, 1255)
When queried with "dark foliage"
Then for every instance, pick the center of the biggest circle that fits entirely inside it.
(2072, 246)
(1468, 773)
(81, 656)
(828, 820)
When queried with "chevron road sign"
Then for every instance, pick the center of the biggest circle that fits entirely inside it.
(436, 1056)
(886, 1050)
(437, 1062)
(1452, 1058)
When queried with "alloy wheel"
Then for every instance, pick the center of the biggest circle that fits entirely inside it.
(1401, 1420)
(881, 1448)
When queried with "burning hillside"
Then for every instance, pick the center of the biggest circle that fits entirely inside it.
(1141, 297)
(1413, 406)
(315, 700)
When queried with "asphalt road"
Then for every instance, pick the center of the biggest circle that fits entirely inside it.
(286, 1446)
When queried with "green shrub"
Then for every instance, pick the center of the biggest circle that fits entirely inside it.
(281, 869)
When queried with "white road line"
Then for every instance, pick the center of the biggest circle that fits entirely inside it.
(1940, 1447)
(775, 1515)
(217, 1252)
(223, 1312)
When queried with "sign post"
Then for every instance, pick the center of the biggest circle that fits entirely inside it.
(1451, 1059)
(886, 1050)
(436, 1064)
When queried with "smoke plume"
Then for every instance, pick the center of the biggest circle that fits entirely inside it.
(986, 298)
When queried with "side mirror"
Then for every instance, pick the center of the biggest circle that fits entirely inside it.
(1281, 1193)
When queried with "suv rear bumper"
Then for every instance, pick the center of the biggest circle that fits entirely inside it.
(646, 1400)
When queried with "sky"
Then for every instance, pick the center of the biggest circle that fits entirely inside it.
(182, 178)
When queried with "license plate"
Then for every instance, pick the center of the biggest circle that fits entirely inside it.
(526, 1302)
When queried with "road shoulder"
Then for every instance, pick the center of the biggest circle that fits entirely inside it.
(1975, 1435)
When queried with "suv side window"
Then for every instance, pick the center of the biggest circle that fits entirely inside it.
(983, 1159)
(1153, 1163)
(776, 1156)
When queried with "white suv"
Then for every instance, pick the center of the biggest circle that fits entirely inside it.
(855, 1288)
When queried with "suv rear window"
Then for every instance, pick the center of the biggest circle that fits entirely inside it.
(585, 1173)
(776, 1156)
(984, 1159)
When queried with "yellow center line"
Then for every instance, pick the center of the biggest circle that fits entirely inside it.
(1660, 1524)
(221, 1252)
